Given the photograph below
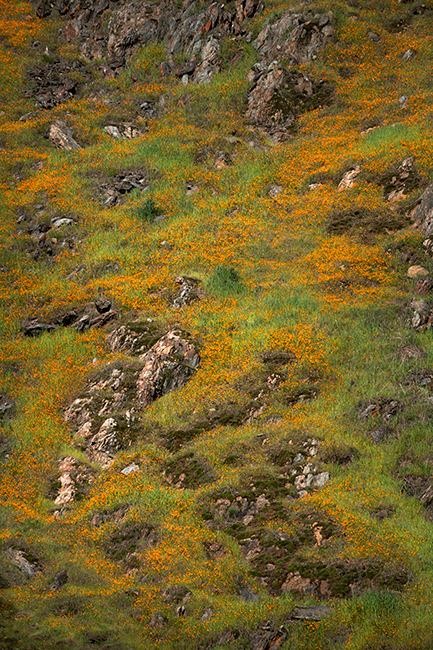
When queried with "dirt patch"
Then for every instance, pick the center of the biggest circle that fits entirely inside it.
(364, 223)
(186, 470)
(124, 543)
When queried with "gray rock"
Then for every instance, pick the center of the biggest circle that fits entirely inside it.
(315, 613)
(169, 364)
(25, 561)
(61, 136)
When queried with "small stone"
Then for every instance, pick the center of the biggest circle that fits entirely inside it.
(207, 614)
(416, 271)
(157, 620)
(130, 469)
(311, 613)
(372, 36)
(320, 479)
(408, 55)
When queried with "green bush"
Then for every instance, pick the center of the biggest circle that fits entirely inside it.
(148, 211)
(225, 280)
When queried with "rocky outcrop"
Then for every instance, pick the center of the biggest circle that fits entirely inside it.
(168, 365)
(104, 419)
(422, 214)
(106, 29)
(279, 93)
(73, 481)
(278, 96)
(56, 83)
(296, 36)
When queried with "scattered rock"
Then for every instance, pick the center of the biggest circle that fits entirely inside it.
(408, 54)
(275, 190)
(130, 469)
(176, 594)
(348, 180)
(412, 352)
(422, 318)
(169, 364)
(25, 560)
(114, 191)
(124, 130)
(315, 613)
(190, 290)
(114, 516)
(60, 579)
(56, 83)
(61, 136)
(383, 408)
(416, 271)
(36, 328)
(7, 406)
(157, 620)
(295, 583)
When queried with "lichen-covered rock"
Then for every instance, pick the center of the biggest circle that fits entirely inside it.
(168, 365)
(295, 35)
(61, 136)
(422, 214)
(73, 481)
(278, 96)
(134, 338)
(26, 561)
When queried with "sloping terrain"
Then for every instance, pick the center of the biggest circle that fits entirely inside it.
(216, 398)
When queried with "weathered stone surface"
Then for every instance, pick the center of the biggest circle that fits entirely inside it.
(295, 35)
(124, 130)
(61, 136)
(348, 180)
(55, 83)
(278, 96)
(134, 338)
(73, 482)
(190, 290)
(169, 364)
(416, 271)
(210, 60)
(422, 317)
(422, 214)
(26, 561)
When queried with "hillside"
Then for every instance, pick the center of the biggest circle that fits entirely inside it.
(216, 397)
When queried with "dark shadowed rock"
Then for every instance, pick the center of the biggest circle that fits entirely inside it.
(60, 579)
(56, 83)
(422, 214)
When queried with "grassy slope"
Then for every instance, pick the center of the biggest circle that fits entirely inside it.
(338, 303)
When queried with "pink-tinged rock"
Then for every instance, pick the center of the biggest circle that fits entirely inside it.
(168, 365)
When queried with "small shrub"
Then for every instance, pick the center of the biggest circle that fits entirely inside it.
(225, 280)
(148, 211)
